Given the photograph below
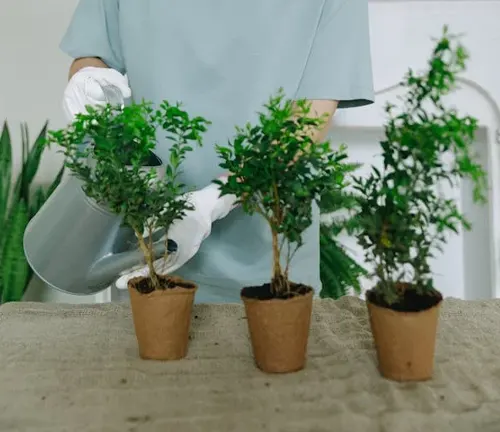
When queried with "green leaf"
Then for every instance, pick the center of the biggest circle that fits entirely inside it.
(14, 269)
(30, 162)
(56, 182)
(37, 201)
(5, 175)
(36, 152)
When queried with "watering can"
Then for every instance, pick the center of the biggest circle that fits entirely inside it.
(79, 247)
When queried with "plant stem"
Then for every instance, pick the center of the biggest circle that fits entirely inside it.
(289, 257)
(148, 255)
(279, 283)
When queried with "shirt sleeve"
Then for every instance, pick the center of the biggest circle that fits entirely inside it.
(339, 64)
(94, 32)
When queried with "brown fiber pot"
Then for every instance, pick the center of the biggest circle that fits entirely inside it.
(405, 342)
(279, 332)
(162, 320)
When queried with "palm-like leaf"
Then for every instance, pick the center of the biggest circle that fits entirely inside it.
(339, 272)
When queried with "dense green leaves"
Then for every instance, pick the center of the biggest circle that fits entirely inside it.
(277, 171)
(110, 148)
(403, 214)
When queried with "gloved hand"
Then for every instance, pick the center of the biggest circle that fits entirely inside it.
(189, 232)
(94, 86)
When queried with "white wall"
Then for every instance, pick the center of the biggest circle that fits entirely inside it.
(33, 71)
(33, 75)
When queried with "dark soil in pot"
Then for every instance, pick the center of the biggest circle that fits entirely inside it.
(279, 326)
(405, 334)
(162, 318)
(410, 301)
(145, 285)
(264, 292)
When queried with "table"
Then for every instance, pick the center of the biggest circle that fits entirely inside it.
(76, 368)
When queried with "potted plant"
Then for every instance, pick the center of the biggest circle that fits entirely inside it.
(277, 171)
(19, 202)
(121, 143)
(404, 217)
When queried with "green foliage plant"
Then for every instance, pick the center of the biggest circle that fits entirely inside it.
(19, 202)
(340, 273)
(404, 218)
(119, 142)
(277, 171)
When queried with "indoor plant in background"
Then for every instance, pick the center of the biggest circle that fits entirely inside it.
(19, 202)
(340, 272)
(405, 218)
(121, 144)
(280, 183)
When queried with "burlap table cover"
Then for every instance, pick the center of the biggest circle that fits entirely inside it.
(75, 368)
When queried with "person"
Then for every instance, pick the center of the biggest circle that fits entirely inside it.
(223, 60)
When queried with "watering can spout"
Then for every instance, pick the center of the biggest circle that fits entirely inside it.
(108, 267)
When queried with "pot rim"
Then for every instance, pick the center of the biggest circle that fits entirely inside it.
(395, 312)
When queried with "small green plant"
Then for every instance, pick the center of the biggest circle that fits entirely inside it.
(277, 171)
(19, 202)
(115, 165)
(403, 215)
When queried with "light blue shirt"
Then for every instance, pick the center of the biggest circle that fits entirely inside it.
(223, 59)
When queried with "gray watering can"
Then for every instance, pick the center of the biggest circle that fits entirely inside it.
(76, 246)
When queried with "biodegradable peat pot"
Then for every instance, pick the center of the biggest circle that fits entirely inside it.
(405, 337)
(278, 327)
(162, 318)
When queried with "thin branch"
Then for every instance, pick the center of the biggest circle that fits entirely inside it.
(282, 243)
(289, 258)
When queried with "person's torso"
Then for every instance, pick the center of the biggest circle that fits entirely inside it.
(223, 60)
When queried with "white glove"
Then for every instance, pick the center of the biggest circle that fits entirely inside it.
(189, 232)
(94, 86)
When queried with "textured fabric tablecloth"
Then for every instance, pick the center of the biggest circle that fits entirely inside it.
(75, 368)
